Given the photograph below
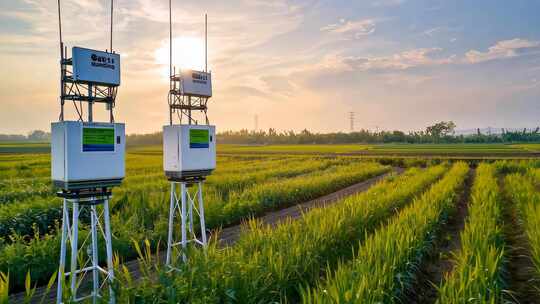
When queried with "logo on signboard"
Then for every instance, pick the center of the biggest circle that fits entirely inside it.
(102, 61)
(198, 138)
(199, 78)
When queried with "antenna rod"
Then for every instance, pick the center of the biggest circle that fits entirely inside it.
(170, 39)
(61, 64)
(110, 90)
(205, 43)
(60, 26)
(170, 65)
(112, 6)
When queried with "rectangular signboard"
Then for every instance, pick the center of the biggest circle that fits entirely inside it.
(96, 66)
(198, 138)
(97, 139)
(196, 83)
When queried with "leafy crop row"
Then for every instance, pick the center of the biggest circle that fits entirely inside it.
(385, 264)
(478, 274)
(42, 212)
(269, 264)
(525, 196)
(140, 215)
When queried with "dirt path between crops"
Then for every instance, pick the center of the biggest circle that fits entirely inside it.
(439, 261)
(228, 236)
(519, 265)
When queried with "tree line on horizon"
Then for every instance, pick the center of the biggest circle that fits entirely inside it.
(33, 136)
(441, 132)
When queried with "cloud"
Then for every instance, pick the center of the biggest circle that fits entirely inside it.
(399, 61)
(503, 49)
(82, 21)
(279, 84)
(245, 92)
(379, 3)
(527, 85)
(432, 31)
(356, 28)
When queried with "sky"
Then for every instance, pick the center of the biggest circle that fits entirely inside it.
(303, 64)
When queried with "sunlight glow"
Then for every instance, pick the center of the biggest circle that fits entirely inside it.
(188, 53)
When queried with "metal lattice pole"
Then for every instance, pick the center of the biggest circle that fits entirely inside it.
(70, 233)
(183, 195)
(74, 247)
(201, 214)
(62, 267)
(95, 274)
(108, 246)
(172, 207)
(186, 206)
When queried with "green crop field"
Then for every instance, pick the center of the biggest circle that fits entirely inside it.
(528, 147)
(16, 147)
(439, 150)
(473, 150)
(432, 230)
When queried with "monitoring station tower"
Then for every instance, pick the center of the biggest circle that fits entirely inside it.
(87, 161)
(189, 151)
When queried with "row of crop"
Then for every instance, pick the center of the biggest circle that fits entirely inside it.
(228, 179)
(515, 166)
(278, 193)
(268, 264)
(41, 213)
(235, 182)
(15, 188)
(478, 273)
(285, 192)
(252, 201)
(144, 216)
(385, 264)
(523, 192)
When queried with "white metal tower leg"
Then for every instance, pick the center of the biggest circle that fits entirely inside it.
(108, 245)
(95, 275)
(62, 266)
(183, 195)
(172, 208)
(74, 247)
(88, 263)
(201, 213)
(190, 210)
(184, 205)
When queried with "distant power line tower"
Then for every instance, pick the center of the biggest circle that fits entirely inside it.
(256, 122)
(351, 118)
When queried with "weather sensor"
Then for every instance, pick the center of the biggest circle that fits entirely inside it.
(189, 149)
(87, 153)
(87, 161)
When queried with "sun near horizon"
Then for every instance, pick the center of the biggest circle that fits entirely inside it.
(188, 53)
